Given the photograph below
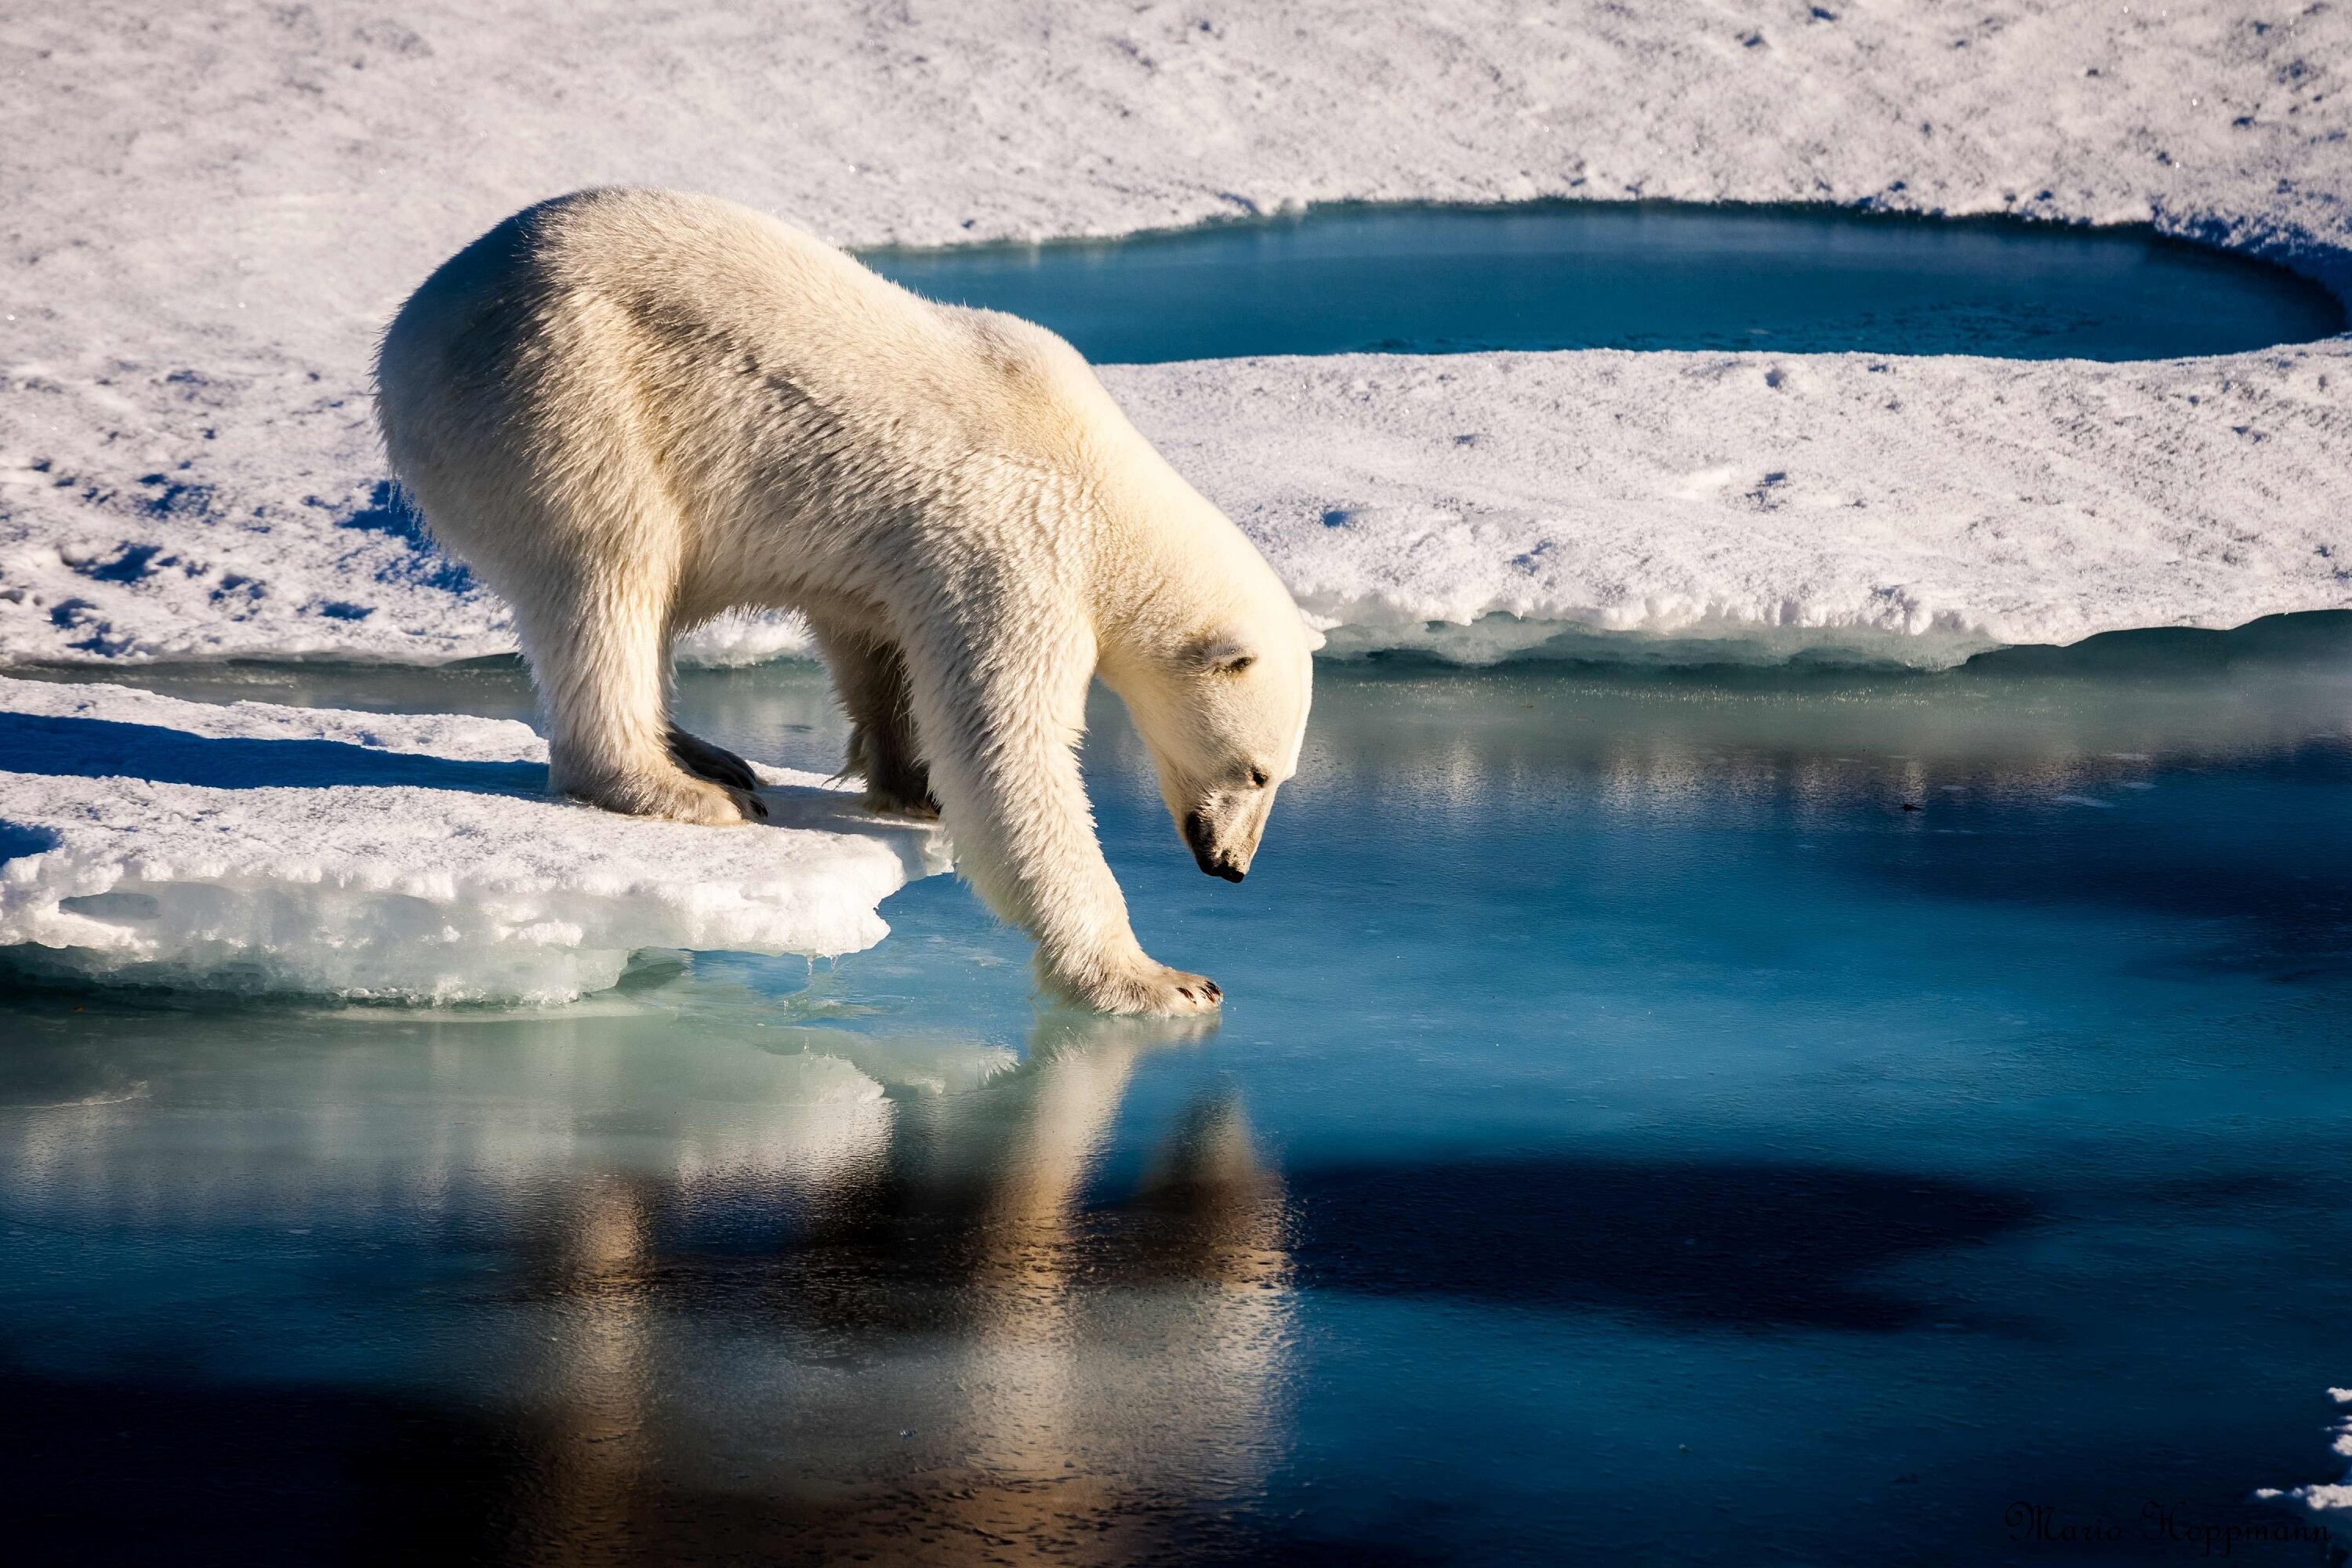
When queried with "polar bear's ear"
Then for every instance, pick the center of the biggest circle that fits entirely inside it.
(1219, 653)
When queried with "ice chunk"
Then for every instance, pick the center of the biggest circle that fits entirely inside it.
(745, 637)
(404, 858)
(2322, 1496)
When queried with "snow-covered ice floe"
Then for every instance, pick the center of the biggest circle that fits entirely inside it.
(417, 858)
(188, 468)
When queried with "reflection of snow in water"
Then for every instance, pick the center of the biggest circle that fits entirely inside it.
(443, 1118)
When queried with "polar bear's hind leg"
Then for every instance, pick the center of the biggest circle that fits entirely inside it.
(869, 675)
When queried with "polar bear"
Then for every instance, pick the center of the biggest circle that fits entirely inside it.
(629, 411)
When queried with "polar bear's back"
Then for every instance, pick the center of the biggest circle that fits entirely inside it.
(711, 340)
(676, 286)
(604, 281)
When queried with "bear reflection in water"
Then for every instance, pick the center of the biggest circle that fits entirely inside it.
(750, 1305)
(977, 1356)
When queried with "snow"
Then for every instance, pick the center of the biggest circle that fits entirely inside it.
(254, 848)
(213, 208)
(1767, 505)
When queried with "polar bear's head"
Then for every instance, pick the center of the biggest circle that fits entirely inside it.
(1224, 709)
(1194, 631)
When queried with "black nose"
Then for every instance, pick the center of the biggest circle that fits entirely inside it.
(1204, 851)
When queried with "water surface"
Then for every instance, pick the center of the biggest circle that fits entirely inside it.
(1631, 275)
(1723, 1117)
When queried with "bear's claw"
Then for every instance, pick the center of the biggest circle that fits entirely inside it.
(1156, 991)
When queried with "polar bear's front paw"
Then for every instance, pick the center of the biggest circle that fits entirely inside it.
(711, 804)
(680, 797)
(749, 806)
(1157, 990)
(719, 765)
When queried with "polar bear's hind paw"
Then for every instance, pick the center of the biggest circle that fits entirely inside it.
(900, 803)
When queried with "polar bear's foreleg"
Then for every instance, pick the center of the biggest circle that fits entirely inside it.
(1001, 737)
(869, 675)
(599, 654)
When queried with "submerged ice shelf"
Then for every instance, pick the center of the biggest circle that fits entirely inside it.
(256, 847)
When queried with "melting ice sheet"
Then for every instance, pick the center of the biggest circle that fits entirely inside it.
(256, 847)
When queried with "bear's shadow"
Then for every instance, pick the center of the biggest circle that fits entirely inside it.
(70, 747)
(106, 747)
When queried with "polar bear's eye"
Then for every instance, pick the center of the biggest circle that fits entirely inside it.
(1257, 778)
(1219, 653)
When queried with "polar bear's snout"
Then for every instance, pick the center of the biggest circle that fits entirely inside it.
(1217, 861)
(1224, 830)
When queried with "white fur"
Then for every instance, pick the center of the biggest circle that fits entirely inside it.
(631, 410)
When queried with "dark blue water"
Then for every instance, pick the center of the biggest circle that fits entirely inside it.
(1637, 1133)
(1569, 275)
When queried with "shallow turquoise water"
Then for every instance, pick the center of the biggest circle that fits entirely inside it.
(1633, 1136)
(1631, 275)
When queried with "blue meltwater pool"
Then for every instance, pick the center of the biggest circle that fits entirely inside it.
(1708, 1118)
(1633, 275)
